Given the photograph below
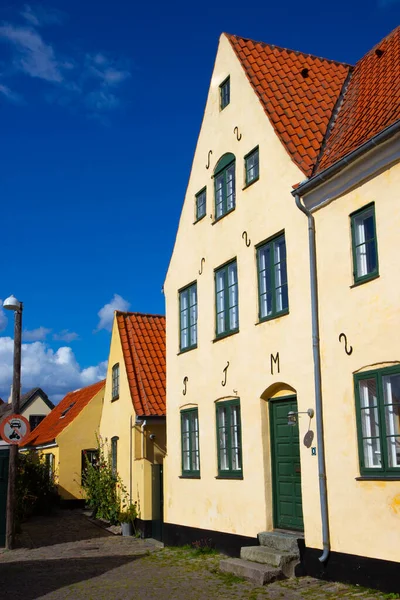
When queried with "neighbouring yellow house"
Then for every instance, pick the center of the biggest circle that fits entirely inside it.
(66, 435)
(133, 417)
(35, 405)
(263, 458)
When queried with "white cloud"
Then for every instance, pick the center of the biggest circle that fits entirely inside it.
(32, 55)
(89, 80)
(3, 318)
(57, 373)
(10, 95)
(40, 16)
(106, 313)
(34, 335)
(66, 336)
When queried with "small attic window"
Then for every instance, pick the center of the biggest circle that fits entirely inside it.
(304, 72)
(64, 412)
(379, 52)
(225, 93)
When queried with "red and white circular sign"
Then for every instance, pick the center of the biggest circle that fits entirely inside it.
(14, 429)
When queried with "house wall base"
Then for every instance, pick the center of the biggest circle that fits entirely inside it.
(228, 543)
(144, 528)
(349, 568)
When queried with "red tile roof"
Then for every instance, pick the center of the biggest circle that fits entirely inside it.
(297, 91)
(371, 102)
(71, 405)
(143, 344)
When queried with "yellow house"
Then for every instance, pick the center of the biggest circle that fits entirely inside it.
(68, 433)
(133, 416)
(243, 352)
(351, 202)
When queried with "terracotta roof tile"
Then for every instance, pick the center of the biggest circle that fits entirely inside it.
(370, 103)
(71, 405)
(143, 344)
(282, 89)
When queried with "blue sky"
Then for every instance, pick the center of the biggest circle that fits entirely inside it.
(101, 104)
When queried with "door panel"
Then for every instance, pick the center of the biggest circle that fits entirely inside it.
(286, 472)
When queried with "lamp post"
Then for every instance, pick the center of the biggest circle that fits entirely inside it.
(12, 303)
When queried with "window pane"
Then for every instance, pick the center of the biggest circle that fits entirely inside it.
(370, 423)
(201, 205)
(223, 438)
(252, 167)
(280, 273)
(365, 243)
(195, 441)
(219, 195)
(230, 187)
(391, 395)
(265, 281)
(235, 439)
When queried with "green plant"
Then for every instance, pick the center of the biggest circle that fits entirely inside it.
(35, 486)
(203, 546)
(128, 514)
(103, 487)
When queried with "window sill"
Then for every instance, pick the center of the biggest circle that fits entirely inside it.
(114, 399)
(222, 336)
(222, 216)
(189, 477)
(230, 476)
(187, 350)
(199, 219)
(362, 281)
(250, 183)
(378, 478)
(272, 317)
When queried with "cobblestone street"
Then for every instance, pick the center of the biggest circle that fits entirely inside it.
(66, 556)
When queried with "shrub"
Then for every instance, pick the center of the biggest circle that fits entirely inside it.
(103, 487)
(35, 487)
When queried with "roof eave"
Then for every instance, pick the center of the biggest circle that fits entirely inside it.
(310, 184)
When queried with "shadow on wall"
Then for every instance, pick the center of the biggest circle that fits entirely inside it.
(27, 580)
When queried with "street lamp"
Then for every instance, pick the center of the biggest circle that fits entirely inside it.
(11, 303)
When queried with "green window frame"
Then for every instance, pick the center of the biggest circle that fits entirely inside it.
(188, 317)
(225, 93)
(201, 204)
(115, 382)
(225, 185)
(229, 439)
(226, 299)
(190, 442)
(252, 166)
(273, 294)
(377, 396)
(114, 456)
(364, 244)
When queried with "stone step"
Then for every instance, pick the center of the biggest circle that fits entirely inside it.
(280, 541)
(285, 561)
(255, 572)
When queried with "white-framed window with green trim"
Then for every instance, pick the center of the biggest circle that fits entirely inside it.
(115, 382)
(272, 278)
(190, 442)
(227, 299)
(225, 93)
(229, 439)
(377, 395)
(252, 166)
(364, 244)
(225, 185)
(188, 317)
(201, 204)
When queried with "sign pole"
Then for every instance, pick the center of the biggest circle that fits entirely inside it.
(13, 464)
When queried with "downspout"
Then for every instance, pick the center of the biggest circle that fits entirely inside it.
(143, 440)
(323, 496)
(130, 459)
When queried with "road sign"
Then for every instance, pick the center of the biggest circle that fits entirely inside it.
(14, 429)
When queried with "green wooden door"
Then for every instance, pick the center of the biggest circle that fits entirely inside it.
(3, 493)
(286, 475)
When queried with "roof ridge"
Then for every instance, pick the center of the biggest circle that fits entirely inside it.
(86, 387)
(137, 314)
(273, 46)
